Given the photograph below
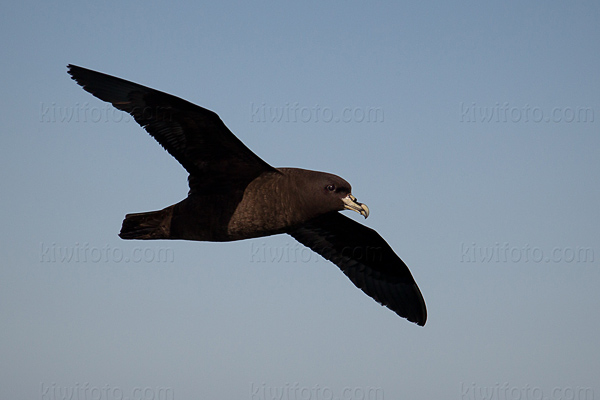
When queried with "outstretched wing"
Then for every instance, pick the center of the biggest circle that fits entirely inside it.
(369, 262)
(195, 136)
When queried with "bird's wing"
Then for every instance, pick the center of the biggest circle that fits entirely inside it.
(369, 262)
(195, 136)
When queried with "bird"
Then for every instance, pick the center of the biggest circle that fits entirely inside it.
(235, 195)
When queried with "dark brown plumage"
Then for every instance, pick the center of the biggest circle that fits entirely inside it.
(235, 195)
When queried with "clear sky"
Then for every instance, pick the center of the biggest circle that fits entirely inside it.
(471, 130)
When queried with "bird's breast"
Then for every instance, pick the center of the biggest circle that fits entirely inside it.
(266, 208)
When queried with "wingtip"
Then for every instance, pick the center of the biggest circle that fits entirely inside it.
(419, 319)
(415, 309)
(72, 70)
(76, 70)
(422, 319)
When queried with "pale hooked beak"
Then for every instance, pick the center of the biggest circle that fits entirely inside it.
(350, 203)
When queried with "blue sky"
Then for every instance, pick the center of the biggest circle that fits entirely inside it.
(470, 129)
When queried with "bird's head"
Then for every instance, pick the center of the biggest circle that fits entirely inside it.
(327, 192)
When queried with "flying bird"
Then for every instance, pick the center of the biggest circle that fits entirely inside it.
(235, 195)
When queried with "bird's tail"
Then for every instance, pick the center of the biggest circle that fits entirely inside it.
(147, 225)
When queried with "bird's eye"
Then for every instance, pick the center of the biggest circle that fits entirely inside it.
(331, 188)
